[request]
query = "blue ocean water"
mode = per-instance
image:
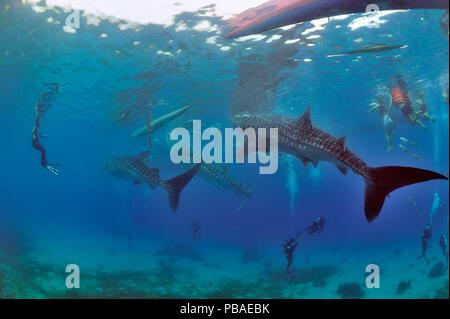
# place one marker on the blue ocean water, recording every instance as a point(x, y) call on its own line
point(124, 237)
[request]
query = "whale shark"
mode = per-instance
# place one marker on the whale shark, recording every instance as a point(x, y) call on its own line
point(135, 168)
point(371, 49)
point(278, 13)
point(218, 175)
point(159, 122)
point(301, 139)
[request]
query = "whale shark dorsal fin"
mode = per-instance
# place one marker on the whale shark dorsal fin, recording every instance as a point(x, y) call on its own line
point(143, 156)
point(341, 140)
point(305, 120)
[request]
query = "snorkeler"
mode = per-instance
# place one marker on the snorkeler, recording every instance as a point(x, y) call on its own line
point(289, 247)
point(426, 236)
point(388, 124)
point(42, 106)
point(316, 227)
point(196, 231)
point(422, 108)
point(445, 94)
point(400, 99)
point(443, 242)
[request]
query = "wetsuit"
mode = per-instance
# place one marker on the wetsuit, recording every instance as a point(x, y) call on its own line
point(426, 236)
point(288, 249)
point(42, 106)
point(316, 227)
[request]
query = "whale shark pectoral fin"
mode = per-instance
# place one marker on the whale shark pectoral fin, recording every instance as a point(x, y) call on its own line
point(342, 169)
point(144, 156)
point(304, 121)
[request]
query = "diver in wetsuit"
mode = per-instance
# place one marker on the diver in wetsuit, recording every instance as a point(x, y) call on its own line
point(317, 226)
point(426, 236)
point(196, 230)
point(443, 242)
point(42, 106)
point(400, 99)
point(289, 247)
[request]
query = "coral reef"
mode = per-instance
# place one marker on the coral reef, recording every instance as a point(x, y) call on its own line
point(442, 293)
point(403, 286)
point(438, 270)
point(351, 290)
point(181, 251)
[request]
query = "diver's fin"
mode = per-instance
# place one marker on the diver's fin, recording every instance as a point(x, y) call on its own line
point(176, 185)
point(304, 121)
point(385, 179)
point(342, 169)
point(143, 156)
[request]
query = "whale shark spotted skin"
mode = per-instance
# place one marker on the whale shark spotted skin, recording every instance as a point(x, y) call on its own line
point(218, 175)
point(300, 138)
point(134, 168)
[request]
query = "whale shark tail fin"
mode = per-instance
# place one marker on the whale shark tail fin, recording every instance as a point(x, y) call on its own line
point(176, 185)
point(386, 179)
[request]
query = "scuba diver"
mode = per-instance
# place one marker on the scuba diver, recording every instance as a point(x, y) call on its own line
point(422, 109)
point(316, 227)
point(443, 242)
point(400, 99)
point(388, 124)
point(426, 236)
point(289, 247)
point(196, 231)
point(41, 107)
